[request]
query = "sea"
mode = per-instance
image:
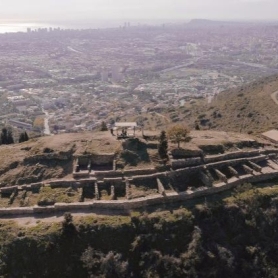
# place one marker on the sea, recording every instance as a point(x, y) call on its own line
point(14, 27)
point(22, 27)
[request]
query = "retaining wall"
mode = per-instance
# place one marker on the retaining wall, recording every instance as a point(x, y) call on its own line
point(139, 172)
point(181, 163)
point(140, 202)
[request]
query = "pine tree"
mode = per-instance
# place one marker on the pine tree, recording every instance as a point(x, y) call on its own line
point(26, 137)
point(10, 137)
point(23, 137)
point(103, 126)
point(163, 145)
point(6, 136)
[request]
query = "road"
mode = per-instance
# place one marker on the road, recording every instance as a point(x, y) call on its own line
point(74, 50)
point(46, 123)
point(181, 66)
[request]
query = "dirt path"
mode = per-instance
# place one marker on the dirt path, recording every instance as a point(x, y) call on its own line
point(33, 220)
point(162, 116)
point(274, 97)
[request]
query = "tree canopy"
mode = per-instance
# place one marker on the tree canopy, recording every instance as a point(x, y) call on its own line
point(178, 133)
point(163, 145)
point(23, 137)
point(6, 136)
point(103, 126)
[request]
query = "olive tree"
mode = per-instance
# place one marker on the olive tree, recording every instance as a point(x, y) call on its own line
point(178, 133)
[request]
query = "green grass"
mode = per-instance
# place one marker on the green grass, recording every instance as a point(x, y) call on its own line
point(48, 195)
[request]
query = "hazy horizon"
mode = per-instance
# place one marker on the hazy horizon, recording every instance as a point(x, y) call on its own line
point(128, 10)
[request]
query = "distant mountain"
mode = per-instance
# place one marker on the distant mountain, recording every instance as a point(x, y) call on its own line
point(206, 23)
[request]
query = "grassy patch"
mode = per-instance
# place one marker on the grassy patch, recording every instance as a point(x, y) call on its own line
point(50, 196)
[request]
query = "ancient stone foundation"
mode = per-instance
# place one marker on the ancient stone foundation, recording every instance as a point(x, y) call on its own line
point(195, 177)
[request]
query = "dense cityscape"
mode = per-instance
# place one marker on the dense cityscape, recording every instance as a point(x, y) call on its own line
point(54, 80)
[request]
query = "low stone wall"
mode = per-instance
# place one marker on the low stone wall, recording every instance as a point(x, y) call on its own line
point(140, 202)
point(183, 154)
point(80, 175)
point(232, 162)
point(185, 172)
point(8, 190)
point(102, 159)
point(49, 156)
point(16, 211)
point(229, 156)
point(62, 184)
point(36, 185)
point(107, 174)
point(139, 172)
point(181, 163)
point(114, 180)
point(239, 154)
point(141, 176)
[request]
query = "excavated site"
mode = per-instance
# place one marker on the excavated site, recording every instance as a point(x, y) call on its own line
point(96, 171)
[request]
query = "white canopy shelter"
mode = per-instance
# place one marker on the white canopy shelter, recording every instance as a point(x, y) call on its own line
point(127, 128)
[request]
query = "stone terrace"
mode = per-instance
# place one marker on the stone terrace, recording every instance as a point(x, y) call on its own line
point(186, 178)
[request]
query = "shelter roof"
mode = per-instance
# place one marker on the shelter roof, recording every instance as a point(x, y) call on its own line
point(125, 124)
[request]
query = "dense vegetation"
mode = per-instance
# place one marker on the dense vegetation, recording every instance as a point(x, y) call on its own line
point(233, 237)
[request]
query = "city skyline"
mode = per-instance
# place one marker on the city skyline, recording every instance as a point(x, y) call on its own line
point(96, 10)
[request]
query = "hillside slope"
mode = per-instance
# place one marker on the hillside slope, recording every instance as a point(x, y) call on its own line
point(248, 109)
point(233, 237)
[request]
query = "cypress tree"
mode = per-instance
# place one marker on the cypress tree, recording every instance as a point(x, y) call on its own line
point(10, 137)
point(23, 137)
point(163, 145)
point(103, 126)
point(26, 137)
point(4, 136)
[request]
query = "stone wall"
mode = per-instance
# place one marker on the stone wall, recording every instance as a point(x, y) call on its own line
point(139, 172)
point(181, 163)
point(179, 153)
point(238, 154)
point(140, 202)
point(102, 159)
point(146, 177)
point(49, 156)
point(80, 175)
point(232, 162)
point(107, 174)
point(229, 156)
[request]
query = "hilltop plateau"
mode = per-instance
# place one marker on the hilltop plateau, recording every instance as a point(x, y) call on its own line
point(52, 157)
point(49, 157)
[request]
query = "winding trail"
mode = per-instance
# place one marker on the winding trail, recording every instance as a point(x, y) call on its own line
point(163, 116)
point(33, 220)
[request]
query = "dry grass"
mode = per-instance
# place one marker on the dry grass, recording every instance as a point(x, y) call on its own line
point(248, 109)
point(14, 170)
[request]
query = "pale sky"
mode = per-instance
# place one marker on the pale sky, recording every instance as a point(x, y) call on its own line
point(138, 9)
